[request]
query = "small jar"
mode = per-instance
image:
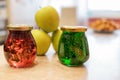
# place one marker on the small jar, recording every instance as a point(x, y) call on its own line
point(73, 47)
point(19, 47)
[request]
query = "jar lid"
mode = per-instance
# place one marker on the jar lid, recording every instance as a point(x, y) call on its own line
point(20, 27)
point(74, 28)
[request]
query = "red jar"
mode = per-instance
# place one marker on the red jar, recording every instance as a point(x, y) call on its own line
point(19, 47)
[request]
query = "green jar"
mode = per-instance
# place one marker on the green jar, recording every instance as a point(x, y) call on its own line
point(73, 47)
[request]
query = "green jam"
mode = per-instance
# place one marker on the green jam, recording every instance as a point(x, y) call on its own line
point(73, 48)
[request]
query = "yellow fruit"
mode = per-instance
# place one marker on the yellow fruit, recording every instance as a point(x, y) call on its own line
point(47, 18)
point(42, 40)
point(55, 39)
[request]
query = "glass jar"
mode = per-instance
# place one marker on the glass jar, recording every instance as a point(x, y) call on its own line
point(73, 47)
point(19, 47)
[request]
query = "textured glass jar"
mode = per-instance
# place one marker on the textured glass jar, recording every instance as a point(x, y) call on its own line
point(19, 47)
point(73, 47)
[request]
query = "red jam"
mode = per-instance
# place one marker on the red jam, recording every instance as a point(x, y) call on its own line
point(20, 48)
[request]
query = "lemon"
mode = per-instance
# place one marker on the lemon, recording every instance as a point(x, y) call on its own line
point(47, 18)
point(55, 38)
point(42, 40)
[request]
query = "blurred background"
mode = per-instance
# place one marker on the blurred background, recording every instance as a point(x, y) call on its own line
point(102, 16)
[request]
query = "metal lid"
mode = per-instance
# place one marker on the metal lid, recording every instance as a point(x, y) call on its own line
point(74, 28)
point(20, 27)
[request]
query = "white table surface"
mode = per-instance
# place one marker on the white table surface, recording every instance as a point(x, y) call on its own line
point(103, 64)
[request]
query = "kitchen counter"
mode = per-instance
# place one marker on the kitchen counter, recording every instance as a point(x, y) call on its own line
point(103, 64)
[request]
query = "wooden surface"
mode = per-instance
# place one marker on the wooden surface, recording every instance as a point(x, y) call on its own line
point(103, 64)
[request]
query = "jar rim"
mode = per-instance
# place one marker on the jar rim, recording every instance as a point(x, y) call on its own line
point(74, 28)
point(20, 27)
